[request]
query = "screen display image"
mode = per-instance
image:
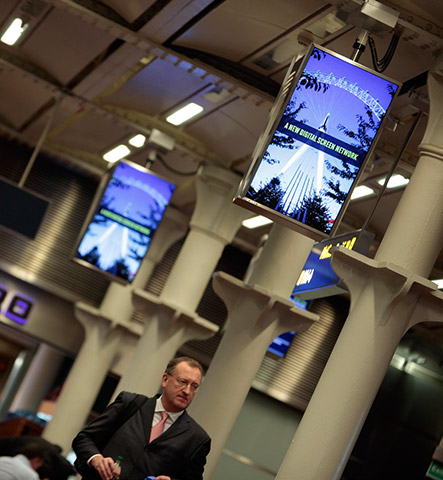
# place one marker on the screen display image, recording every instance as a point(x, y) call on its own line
point(122, 227)
point(320, 140)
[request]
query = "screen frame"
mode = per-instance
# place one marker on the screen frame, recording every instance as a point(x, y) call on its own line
point(93, 209)
point(288, 86)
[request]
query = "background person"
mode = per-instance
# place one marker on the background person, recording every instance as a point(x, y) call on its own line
point(23, 464)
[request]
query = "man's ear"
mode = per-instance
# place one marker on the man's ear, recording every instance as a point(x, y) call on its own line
point(164, 379)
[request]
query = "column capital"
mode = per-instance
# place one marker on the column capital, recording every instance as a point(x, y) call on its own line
point(271, 308)
point(390, 283)
point(91, 317)
point(174, 316)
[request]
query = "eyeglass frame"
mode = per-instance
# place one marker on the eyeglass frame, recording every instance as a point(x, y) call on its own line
point(185, 383)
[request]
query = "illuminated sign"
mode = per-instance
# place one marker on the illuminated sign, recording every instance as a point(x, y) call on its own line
point(318, 279)
point(18, 307)
point(322, 128)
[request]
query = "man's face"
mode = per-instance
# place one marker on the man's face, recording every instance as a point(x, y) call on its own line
point(180, 387)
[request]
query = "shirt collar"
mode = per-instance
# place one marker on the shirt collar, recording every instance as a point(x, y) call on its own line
point(160, 408)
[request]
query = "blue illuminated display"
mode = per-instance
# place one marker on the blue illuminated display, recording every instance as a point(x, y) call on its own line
point(317, 142)
point(122, 227)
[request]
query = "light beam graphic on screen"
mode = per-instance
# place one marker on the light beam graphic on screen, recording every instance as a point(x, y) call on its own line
point(299, 186)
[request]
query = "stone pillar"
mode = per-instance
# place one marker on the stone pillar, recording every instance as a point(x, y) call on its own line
point(102, 340)
point(117, 302)
point(386, 300)
point(171, 320)
point(102, 337)
point(38, 379)
point(15, 377)
point(259, 311)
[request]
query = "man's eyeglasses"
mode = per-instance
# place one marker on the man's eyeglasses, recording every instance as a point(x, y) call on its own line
point(185, 383)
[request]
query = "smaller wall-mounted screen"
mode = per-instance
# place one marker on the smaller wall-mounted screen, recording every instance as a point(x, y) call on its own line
point(280, 345)
point(324, 123)
point(21, 211)
point(123, 221)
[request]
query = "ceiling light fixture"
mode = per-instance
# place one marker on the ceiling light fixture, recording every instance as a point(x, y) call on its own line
point(184, 113)
point(14, 31)
point(137, 140)
point(116, 153)
point(256, 222)
point(395, 181)
point(361, 191)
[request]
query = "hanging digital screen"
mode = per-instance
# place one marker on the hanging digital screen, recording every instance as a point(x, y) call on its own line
point(123, 220)
point(322, 128)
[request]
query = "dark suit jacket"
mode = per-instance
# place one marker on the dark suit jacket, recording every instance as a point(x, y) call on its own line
point(180, 452)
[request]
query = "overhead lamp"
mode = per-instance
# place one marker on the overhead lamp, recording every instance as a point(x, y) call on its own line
point(395, 181)
point(439, 283)
point(361, 191)
point(14, 31)
point(184, 113)
point(116, 153)
point(256, 222)
point(137, 140)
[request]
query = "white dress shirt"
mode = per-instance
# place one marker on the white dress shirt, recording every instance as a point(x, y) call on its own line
point(172, 416)
point(17, 468)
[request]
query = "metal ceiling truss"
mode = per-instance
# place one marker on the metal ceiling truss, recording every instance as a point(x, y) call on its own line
point(141, 41)
point(144, 123)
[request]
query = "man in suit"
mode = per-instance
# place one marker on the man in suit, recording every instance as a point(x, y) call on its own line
point(127, 425)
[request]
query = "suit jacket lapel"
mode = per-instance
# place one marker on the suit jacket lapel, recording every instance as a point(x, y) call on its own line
point(147, 412)
point(180, 426)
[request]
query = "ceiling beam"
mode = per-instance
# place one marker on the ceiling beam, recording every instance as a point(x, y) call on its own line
point(141, 41)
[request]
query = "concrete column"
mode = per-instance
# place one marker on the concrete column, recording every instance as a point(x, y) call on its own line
point(38, 379)
point(214, 223)
point(171, 320)
point(102, 337)
point(386, 300)
point(15, 378)
point(117, 302)
point(258, 312)
point(167, 328)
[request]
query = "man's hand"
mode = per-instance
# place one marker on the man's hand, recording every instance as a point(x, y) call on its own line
point(162, 477)
point(105, 467)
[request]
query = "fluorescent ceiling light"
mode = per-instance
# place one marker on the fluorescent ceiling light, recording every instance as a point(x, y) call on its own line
point(137, 141)
point(395, 181)
point(185, 113)
point(116, 153)
point(256, 222)
point(14, 31)
point(361, 191)
point(439, 283)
